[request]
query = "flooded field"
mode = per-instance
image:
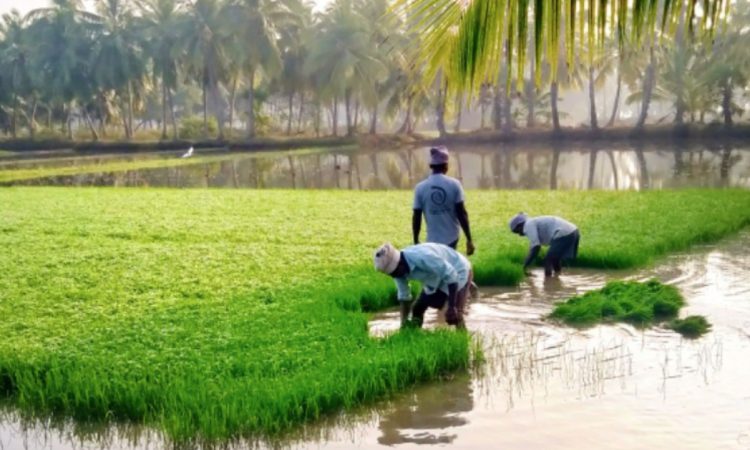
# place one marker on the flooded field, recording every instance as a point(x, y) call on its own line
point(543, 386)
point(618, 167)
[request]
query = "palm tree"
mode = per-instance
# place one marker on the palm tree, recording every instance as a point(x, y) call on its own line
point(160, 23)
point(118, 59)
point(259, 22)
point(481, 32)
point(15, 59)
point(207, 41)
point(345, 59)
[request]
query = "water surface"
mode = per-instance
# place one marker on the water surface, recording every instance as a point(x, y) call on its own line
point(613, 167)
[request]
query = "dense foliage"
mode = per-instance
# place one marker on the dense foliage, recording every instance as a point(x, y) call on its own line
point(276, 66)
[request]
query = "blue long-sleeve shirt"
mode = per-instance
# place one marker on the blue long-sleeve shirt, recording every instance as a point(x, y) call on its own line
point(435, 266)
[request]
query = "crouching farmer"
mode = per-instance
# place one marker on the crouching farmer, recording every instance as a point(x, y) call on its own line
point(445, 276)
point(561, 236)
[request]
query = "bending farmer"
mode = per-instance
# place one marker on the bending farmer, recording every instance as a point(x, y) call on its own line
point(561, 236)
point(444, 273)
point(440, 199)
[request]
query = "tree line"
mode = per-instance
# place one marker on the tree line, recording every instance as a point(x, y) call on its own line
point(240, 68)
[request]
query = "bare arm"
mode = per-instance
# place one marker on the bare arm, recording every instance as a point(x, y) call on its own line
point(463, 219)
point(416, 224)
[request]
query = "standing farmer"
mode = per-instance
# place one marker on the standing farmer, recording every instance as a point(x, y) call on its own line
point(440, 199)
point(445, 276)
point(561, 236)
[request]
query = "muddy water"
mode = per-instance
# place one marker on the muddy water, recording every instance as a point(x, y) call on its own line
point(547, 387)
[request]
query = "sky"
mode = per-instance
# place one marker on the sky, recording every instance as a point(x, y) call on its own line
point(25, 6)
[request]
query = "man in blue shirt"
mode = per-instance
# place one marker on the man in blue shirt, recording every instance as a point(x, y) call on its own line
point(440, 199)
point(445, 276)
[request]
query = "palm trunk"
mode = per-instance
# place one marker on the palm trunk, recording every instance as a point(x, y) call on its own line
point(374, 120)
point(508, 114)
point(592, 101)
point(251, 105)
point(348, 108)
point(164, 102)
point(291, 114)
point(617, 101)
point(14, 125)
point(335, 116)
point(726, 104)
point(615, 175)
point(32, 118)
point(407, 120)
point(90, 123)
point(497, 109)
point(130, 111)
point(442, 94)
point(232, 101)
point(205, 110)
point(356, 115)
point(301, 110)
point(219, 110)
point(531, 105)
point(648, 88)
point(68, 125)
point(175, 130)
point(553, 103)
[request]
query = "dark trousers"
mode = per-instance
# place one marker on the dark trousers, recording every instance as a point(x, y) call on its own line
point(560, 249)
point(438, 299)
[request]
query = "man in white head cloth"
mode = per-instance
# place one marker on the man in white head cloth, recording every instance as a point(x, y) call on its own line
point(445, 276)
point(441, 199)
point(561, 236)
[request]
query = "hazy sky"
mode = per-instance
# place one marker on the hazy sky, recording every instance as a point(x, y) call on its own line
point(25, 6)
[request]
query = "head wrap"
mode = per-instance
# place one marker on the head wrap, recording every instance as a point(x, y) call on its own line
point(438, 156)
point(387, 258)
point(517, 220)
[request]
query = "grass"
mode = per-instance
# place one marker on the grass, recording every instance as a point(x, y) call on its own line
point(51, 168)
point(618, 230)
point(691, 327)
point(218, 313)
point(639, 304)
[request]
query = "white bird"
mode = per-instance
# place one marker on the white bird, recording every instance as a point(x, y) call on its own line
point(189, 153)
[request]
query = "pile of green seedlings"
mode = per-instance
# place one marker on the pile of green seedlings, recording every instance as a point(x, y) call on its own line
point(639, 304)
point(219, 313)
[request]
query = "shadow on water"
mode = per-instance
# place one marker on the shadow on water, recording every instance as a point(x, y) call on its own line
point(543, 385)
point(595, 166)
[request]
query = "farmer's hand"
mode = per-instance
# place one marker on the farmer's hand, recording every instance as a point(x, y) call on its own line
point(451, 316)
point(470, 248)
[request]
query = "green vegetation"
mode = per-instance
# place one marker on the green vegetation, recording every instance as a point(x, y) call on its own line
point(225, 312)
point(618, 230)
point(346, 65)
point(691, 327)
point(5, 153)
point(639, 304)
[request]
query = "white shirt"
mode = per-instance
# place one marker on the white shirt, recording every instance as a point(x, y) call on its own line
point(543, 229)
point(434, 266)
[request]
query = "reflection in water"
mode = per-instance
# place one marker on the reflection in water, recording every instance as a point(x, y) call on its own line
point(478, 167)
point(428, 415)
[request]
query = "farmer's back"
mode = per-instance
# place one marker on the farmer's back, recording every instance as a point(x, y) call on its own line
point(437, 197)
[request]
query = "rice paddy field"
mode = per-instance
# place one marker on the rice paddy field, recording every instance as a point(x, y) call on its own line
point(218, 313)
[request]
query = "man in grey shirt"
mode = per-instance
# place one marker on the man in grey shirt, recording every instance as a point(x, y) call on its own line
point(561, 236)
point(440, 199)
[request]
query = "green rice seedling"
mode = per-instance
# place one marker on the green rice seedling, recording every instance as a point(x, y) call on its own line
point(220, 313)
point(639, 304)
point(691, 327)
